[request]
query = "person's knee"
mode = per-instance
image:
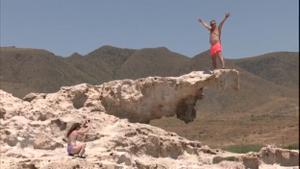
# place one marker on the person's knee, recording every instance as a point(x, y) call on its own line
point(220, 55)
point(83, 145)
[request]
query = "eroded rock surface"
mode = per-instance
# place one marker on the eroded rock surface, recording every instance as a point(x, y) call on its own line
point(138, 100)
point(32, 130)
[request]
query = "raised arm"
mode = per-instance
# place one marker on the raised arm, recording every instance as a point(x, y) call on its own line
point(204, 24)
point(223, 21)
point(85, 128)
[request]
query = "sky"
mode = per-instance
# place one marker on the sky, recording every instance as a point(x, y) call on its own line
point(63, 27)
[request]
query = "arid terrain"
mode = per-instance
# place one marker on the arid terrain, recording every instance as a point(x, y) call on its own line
point(264, 111)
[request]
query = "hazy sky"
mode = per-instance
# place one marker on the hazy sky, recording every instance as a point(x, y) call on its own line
point(66, 26)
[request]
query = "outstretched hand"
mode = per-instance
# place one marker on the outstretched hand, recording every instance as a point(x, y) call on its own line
point(199, 19)
point(227, 15)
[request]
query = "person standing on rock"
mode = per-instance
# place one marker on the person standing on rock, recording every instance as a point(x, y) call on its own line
point(215, 40)
point(75, 147)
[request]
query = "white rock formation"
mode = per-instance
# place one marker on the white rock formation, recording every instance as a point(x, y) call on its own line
point(32, 130)
point(150, 98)
point(138, 100)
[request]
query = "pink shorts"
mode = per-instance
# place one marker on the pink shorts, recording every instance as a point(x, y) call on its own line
point(214, 49)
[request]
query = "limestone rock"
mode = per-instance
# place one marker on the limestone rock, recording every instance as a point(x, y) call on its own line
point(33, 130)
point(145, 99)
point(273, 155)
point(42, 141)
point(138, 100)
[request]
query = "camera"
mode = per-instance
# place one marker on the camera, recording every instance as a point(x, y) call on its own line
point(85, 123)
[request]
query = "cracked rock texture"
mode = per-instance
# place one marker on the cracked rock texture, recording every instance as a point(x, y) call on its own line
point(32, 130)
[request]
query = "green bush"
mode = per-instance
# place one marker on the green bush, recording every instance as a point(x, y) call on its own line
point(294, 146)
point(243, 148)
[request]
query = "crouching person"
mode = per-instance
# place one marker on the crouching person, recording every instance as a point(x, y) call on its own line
point(76, 147)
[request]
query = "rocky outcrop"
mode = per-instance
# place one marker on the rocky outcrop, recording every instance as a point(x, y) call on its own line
point(149, 98)
point(271, 155)
point(143, 99)
point(32, 131)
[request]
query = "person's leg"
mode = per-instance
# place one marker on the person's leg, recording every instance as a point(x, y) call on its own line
point(214, 62)
point(75, 149)
point(82, 149)
point(221, 58)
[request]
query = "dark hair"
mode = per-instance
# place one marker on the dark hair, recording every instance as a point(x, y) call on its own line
point(75, 126)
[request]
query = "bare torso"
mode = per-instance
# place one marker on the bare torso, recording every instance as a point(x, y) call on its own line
point(72, 138)
point(214, 36)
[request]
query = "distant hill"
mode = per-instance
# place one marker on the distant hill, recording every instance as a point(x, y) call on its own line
point(279, 67)
point(42, 71)
point(34, 70)
point(255, 90)
point(152, 62)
